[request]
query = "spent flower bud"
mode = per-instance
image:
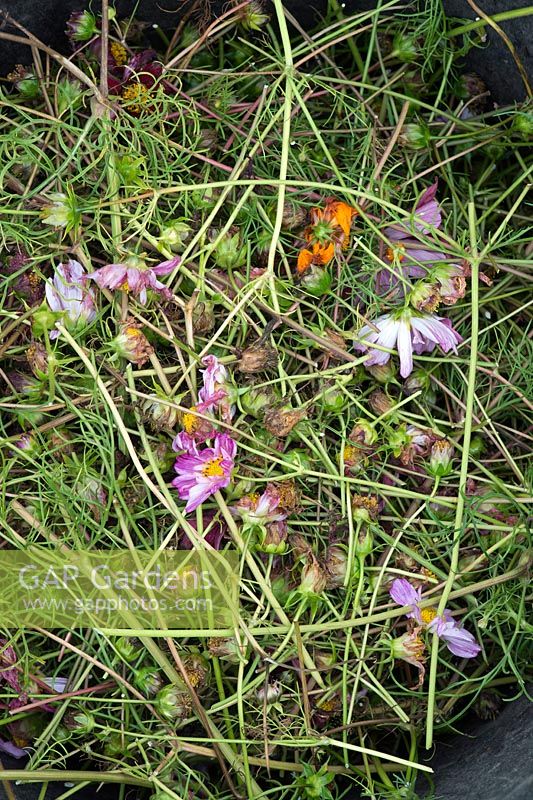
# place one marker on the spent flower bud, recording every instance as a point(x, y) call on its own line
point(440, 460)
point(259, 357)
point(229, 251)
point(174, 235)
point(81, 26)
point(173, 702)
point(148, 681)
point(131, 343)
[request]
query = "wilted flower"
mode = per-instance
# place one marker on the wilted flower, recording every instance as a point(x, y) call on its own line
point(68, 293)
point(314, 578)
point(409, 332)
point(273, 537)
point(336, 564)
point(81, 26)
point(425, 296)
point(25, 82)
point(252, 17)
point(411, 648)
point(441, 458)
point(293, 216)
point(62, 212)
point(287, 495)
point(269, 693)
point(78, 721)
point(330, 227)
point(417, 443)
point(135, 276)
point(8, 669)
point(258, 510)
point(131, 343)
point(28, 284)
point(365, 507)
point(26, 443)
point(196, 429)
point(161, 413)
point(203, 317)
point(458, 641)
point(259, 357)
point(379, 402)
point(363, 433)
point(214, 393)
point(202, 473)
point(37, 358)
point(174, 702)
point(226, 649)
point(280, 421)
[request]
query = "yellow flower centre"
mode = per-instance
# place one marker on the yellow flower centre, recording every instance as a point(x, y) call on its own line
point(427, 615)
point(133, 332)
point(135, 92)
point(213, 469)
point(119, 53)
point(190, 421)
point(125, 286)
point(349, 452)
point(395, 253)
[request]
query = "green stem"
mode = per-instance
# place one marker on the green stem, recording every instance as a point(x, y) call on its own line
point(514, 13)
point(461, 492)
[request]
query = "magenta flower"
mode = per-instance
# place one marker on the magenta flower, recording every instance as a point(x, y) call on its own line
point(135, 276)
point(68, 293)
point(408, 331)
point(214, 393)
point(458, 641)
point(201, 473)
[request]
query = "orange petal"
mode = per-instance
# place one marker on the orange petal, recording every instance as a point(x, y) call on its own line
point(305, 259)
point(323, 253)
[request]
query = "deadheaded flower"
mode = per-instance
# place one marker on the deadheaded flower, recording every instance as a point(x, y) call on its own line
point(440, 460)
point(69, 295)
point(280, 421)
point(409, 332)
point(201, 473)
point(458, 641)
point(259, 357)
point(135, 276)
point(329, 228)
point(62, 211)
point(314, 579)
point(131, 343)
point(81, 26)
point(411, 648)
point(258, 510)
point(161, 413)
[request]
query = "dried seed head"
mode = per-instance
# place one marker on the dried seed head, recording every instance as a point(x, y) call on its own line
point(37, 359)
point(287, 495)
point(132, 344)
point(280, 421)
point(293, 216)
point(380, 402)
point(259, 357)
point(365, 508)
point(203, 317)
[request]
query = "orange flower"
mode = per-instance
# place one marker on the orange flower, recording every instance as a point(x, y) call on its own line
point(336, 214)
point(320, 255)
point(330, 226)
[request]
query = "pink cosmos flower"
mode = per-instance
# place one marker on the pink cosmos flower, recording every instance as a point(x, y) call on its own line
point(458, 641)
point(201, 473)
point(68, 293)
point(411, 254)
point(135, 276)
point(409, 331)
point(214, 393)
point(259, 510)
